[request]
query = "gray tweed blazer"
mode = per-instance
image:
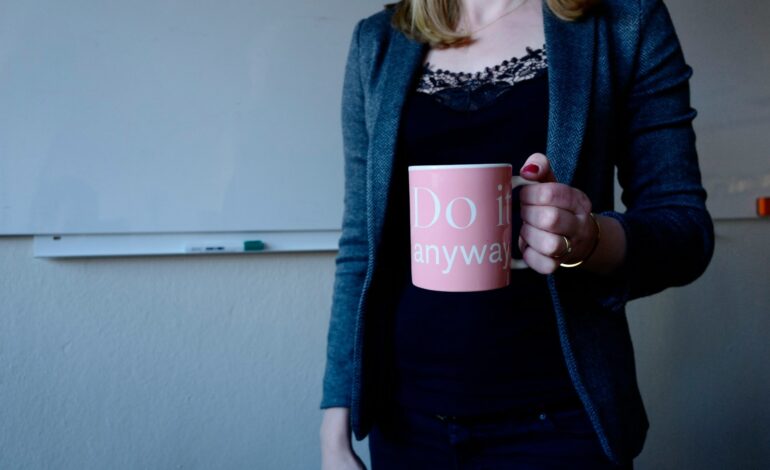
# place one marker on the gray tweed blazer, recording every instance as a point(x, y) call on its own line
point(619, 99)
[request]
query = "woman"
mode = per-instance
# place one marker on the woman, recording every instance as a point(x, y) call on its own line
point(539, 374)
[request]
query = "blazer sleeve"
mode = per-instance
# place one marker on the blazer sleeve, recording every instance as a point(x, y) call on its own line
point(669, 232)
point(352, 258)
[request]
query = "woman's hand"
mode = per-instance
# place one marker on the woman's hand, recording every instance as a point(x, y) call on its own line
point(336, 449)
point(551, 211)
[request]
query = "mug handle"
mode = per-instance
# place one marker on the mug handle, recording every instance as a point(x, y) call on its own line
point(517, 181)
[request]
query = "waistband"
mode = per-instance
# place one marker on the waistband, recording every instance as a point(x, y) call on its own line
point(535, 410)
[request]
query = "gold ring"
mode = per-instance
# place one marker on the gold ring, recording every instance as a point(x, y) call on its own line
point(566, 251)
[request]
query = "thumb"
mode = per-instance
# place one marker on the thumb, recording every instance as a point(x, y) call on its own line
point(537, 168)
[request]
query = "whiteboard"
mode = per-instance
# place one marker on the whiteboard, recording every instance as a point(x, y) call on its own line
point(172, 116)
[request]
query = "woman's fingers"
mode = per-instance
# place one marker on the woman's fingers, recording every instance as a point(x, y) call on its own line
point(539, 247)
point(557, 195)
point(550, 192)
point(538, 262)
point(546, 243)
point(549, 218)
point(537, 168)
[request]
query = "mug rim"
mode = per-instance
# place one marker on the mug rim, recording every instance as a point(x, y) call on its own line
point(458, 166)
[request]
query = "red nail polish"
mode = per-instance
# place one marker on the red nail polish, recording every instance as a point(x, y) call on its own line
point(531, 168)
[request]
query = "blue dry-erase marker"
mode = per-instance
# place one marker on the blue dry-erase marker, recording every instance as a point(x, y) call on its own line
point(249, 245)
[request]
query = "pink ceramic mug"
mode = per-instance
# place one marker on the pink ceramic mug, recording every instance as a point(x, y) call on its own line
point(460, 226)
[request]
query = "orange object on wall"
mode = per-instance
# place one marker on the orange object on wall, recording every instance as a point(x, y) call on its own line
point(763, 206)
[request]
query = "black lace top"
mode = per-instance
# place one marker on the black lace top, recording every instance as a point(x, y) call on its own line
point(471, 352)
point(471, 91)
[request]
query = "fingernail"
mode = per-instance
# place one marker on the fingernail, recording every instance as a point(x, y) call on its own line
point(531, 168)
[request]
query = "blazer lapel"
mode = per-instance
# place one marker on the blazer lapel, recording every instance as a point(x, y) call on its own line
point(570, 49)
point(403, 59)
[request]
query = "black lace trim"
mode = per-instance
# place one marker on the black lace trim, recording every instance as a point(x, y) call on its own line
point(509, 71)
point(471, 91)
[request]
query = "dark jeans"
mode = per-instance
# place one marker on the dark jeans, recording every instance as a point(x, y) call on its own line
point(543, 439)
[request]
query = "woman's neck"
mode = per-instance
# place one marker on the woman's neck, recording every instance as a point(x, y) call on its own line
point(503, 39)
point(478, 13)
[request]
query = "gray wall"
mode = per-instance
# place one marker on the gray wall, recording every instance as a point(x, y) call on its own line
point(703, 359)
point(160, 363)
point(216, 362)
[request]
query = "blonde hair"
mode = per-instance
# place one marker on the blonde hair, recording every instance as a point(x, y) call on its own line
point(434, 21)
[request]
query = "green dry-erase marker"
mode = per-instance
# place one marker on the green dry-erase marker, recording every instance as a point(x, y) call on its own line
point(249, 245)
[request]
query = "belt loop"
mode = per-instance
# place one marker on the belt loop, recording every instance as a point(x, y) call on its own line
point(446, 418)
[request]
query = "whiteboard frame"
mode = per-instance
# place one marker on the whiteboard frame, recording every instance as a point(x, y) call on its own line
point(158, 244)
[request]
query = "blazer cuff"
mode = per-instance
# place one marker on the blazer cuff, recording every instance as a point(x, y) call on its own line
point(334, 403)
point(336, 389)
